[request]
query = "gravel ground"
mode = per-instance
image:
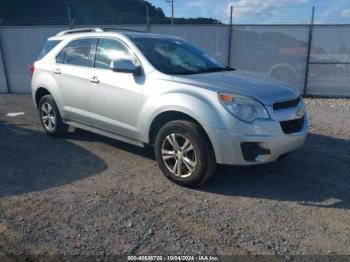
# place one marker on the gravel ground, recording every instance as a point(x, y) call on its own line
point(86, 194)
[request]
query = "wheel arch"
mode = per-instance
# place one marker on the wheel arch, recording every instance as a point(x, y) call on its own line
point(39, 93)
point(169, 115)
point(275, 67)
point(166, 116)
point(281, 65)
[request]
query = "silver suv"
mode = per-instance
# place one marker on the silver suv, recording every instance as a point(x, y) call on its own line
point(144, 88)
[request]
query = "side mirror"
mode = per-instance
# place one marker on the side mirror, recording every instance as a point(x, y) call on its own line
point(125, 66)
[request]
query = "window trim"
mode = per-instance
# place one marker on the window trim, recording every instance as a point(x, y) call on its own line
point(93, 47)
point(93, 51)
point(63, 49)
point(123, 43)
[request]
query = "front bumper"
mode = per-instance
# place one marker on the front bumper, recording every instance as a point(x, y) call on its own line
point(269, 137)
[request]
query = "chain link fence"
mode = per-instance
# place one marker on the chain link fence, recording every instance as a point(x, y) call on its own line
point(280, 51)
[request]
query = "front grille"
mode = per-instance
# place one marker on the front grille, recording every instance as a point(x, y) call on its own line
point(286, 104)
point(292, 126)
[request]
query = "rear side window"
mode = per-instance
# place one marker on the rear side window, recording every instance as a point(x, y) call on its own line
point(49, 45)
point(78, 53)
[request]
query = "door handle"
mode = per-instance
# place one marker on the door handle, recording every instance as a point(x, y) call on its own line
point(94, 79)
point(57, 71)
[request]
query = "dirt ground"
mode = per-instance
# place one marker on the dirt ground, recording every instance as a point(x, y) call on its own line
point(89, 195)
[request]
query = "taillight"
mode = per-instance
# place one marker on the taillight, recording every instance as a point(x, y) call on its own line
point(31, 70)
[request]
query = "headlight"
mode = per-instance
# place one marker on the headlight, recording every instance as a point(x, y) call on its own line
point(244, 108)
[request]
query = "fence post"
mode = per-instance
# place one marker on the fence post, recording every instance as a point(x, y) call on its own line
point(70, 20)
point(148, 19)
point(309, 46)
point(230, 38)
point(7, 84)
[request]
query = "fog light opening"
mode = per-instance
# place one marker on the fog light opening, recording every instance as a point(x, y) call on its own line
point(251, 150)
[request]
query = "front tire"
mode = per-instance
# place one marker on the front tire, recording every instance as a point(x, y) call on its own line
point(50, 117)
point(184, 153)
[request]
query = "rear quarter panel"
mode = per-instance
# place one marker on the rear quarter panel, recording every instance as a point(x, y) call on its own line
point(43, 78)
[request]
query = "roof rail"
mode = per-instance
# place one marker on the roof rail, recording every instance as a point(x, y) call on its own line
point(122, 29)
point(80, 30)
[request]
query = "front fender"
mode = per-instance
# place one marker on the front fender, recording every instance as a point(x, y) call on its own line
point(204, 111)
point(199, 109)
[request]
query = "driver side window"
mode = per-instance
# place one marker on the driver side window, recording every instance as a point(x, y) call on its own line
point(108, 50)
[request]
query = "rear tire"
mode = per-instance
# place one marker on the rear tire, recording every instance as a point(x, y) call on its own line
point(184, 153)
point(50, 117)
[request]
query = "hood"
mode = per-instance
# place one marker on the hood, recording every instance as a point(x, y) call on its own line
point(263, 88)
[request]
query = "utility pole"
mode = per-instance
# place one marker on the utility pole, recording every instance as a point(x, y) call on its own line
point(171, 3)
point(309, 46)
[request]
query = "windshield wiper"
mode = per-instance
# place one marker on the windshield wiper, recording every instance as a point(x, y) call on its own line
point(208, 70)
point(214, 69)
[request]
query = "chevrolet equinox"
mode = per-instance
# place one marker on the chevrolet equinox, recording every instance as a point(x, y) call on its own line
point(144, 88)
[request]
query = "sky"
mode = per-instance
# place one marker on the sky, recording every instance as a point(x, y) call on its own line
point(261, 11)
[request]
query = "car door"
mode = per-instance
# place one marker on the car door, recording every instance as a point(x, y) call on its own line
point(71, 72)
point(114, 98)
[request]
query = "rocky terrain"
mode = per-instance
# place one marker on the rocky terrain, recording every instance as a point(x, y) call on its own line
point(89, 195)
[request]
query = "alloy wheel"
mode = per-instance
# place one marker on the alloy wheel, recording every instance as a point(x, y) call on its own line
point(179, 155)
point(48, 116)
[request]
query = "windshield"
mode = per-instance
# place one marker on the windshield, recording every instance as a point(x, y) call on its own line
point(177, 57)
